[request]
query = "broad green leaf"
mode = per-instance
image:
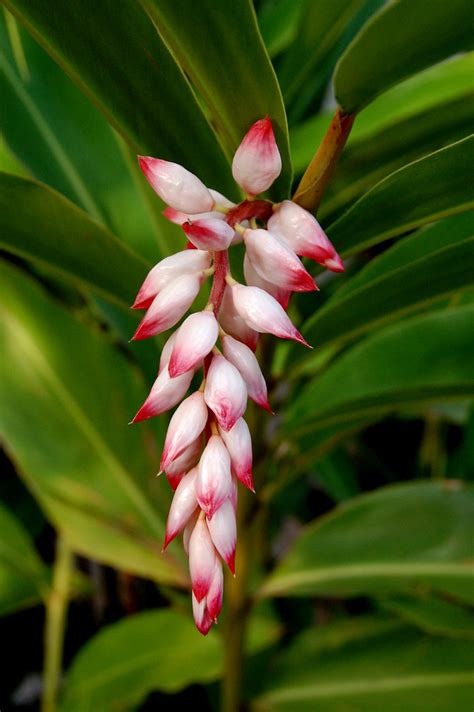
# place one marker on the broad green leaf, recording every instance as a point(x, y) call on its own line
point(87, 166)
point(367, 162)
point(126, 70)
point(325, 29)
point(421, 192)
point(66, 399)
point(423, 243)
point(230, 69)
point(423, 94)
point(41, 225)
point(278, 23)
point(154, 650)
point(422, 359)
point(400, 291)
point(399, 669)
point(403, 38)
point(433, 614)
point(24, 579)
point(397, 538)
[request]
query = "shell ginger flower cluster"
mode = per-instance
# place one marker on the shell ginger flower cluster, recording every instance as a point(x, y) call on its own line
point(208, 448)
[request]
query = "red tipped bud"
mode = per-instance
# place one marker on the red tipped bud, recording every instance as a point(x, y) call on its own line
point(257, 161)
point(194, 340)
point(176, 186)
point(225, 392)
point(214, 482)
point(223, 531)
point(239, 445)
point(187, 423)
point(209, 234)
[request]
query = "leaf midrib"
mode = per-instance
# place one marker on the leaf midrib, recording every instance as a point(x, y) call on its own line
point(79, 416)
point(399, 569)
point(371, 686)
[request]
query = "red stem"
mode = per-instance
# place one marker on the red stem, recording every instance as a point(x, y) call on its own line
point(221, 268)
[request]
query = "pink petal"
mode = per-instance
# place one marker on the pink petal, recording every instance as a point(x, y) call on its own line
point(182, 507)
point(223, 531)
point(253, 279)
point(187, 423)
point(246, 362)
point(176, 470)
point(209, 234)
point(214, 482)
point(202, 558)
point(302, 232)
point(233, 323)
point(276, 262)
point(165, 393)
point(201, 615)
point(257, 161)
point(168, 269)
point(225, 392)
point(215, 593)
point(263, 313)
point(169, 306)
point(176, 186)
point(239, 445)
point(194, 340)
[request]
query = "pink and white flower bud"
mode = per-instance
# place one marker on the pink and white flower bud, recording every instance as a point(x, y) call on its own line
point(209, 234)
point(214, 481)
point(187, 423)
point(188, 530)
point(220, 199)
point(194, 340)
point(176, 186)
point(276, 262)
point(264, 314)
point(169, 306)
point(215, 593)
point(166, 351)
point(257, 161)
point(178, 218)
point(182, 507)
point(202, 558)
point(302, 232)
point(165, 393)
point(185, 262)
point(253, 279)
point(223, 531)
point(225, 392)
point(201, 615)
point(233, 323)
point(178, 468)
point(239, 445)
point(246, 363)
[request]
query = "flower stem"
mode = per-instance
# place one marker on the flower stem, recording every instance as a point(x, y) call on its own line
point(318, 174)
point(56, 608)
point(221, 269)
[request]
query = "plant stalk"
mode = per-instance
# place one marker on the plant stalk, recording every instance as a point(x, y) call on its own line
point(56, 609)
point(319, 172)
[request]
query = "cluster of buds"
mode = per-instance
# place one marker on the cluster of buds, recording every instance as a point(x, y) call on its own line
point(208, 446)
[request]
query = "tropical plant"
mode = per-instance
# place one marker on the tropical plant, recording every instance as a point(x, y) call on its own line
point(354, 579)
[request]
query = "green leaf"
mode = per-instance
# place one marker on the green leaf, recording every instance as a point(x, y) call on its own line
point(231, 69)
point(398, 669)
point(126, 70)
point(402, 39)
point(40, 128)
point(419, 360)
point(421, 192)
point(278, 22)
point(117, 668)
point(41, 225)
point(433, 614)
point(66, 399)
point(24, 579)
point(326, 27)
point(154, 650)
point(398, 109)
point(425, 276)
point(398, 538)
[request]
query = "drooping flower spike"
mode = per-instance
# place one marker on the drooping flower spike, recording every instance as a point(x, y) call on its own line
point(208, 447)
